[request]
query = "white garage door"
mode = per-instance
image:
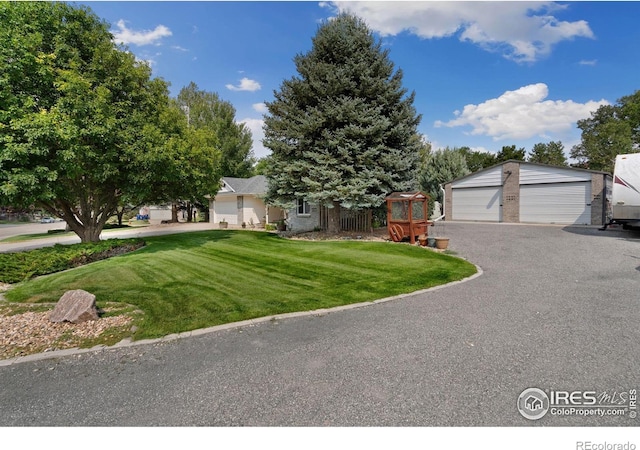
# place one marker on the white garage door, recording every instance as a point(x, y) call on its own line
point(226, 208)
point(556, 203)
point(478, 203)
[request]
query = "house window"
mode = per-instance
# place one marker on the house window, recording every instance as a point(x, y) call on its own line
point(303, 208)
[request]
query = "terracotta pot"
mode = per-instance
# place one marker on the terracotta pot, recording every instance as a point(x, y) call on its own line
point(442, 243)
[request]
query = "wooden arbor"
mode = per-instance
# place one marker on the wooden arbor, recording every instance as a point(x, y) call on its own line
point(407, 215)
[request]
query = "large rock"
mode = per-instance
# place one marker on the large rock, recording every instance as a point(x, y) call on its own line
point(75, 306)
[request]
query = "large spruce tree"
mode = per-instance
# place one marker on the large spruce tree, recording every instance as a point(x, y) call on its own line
point(343, 132)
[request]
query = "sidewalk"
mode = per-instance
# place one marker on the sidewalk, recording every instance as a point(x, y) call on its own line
point(151, 230)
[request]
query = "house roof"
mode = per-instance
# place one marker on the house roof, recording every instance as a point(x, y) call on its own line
point(244, 186)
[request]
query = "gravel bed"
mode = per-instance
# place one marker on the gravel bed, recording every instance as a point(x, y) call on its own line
point(32, 332)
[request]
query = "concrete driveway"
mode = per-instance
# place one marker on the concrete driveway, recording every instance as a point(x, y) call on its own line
point(556, 308)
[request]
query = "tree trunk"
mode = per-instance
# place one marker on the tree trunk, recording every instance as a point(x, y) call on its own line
point(174, 212)
point(333, 225)
point(189, 212)
point(120, 213)
point(87, 223)
point(90, 234)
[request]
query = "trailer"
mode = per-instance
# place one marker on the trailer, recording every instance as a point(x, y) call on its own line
point(625, 193)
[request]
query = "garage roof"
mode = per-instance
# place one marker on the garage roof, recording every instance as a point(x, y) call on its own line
point(526, 163)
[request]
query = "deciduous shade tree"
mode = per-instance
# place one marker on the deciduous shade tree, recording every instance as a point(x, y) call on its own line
point(442, 166)
point(206, 111)
point(81, 121)
point(477, 160)
point(611, 130)
point(551, 153)
point(342, 132)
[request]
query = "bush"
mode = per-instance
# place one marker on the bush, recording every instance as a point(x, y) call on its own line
point(20, 266)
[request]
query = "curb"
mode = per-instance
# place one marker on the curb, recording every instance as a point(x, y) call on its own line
point(228, 326)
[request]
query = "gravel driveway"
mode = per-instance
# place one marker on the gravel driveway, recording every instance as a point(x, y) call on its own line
point(556, 308)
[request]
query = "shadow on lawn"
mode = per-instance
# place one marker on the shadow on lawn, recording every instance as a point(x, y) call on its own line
point(191, 239)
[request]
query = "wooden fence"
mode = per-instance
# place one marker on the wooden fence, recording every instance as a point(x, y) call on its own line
point(349, 220)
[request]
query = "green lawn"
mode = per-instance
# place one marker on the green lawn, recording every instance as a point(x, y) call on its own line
point(193, 280)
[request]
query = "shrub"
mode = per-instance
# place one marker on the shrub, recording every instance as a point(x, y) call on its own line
point(20, 266)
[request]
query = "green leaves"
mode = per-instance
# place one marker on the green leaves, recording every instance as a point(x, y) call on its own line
point(343, 131)
point(78, 115)
point(551, 153)
point(206, 111)
point(611, 130)
point(440, 167)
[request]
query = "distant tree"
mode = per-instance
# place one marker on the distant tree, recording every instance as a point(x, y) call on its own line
point(477, 160)
point(79, 116)
point(187, 163)
point(442, 166)
point(343, 132)
point(551, 153)
point(425, 153)
point(205, 110)
point(262, 166)
point(510, 152)
point(611, 130)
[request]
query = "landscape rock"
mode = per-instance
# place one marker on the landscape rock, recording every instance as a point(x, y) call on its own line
point(75, 306)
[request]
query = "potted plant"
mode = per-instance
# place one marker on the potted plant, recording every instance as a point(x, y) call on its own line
point(442, 242)
point(223, 223)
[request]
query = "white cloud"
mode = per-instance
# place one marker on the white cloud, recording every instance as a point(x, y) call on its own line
point(246, 84)
point(521, 31)
point(148, 58)
point(255, 125)
point(522, 114)
point(591, 62)
point(180, 49)
point(260, 107)
point(145, 37)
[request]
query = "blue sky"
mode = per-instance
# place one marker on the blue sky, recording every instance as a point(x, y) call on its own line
point(485, 74)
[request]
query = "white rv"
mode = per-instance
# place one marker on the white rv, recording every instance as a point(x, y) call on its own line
point(625, 193)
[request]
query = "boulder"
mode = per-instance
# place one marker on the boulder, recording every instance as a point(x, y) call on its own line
point(75, 306)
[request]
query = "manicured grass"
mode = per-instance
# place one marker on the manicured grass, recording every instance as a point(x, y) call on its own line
point(193, 280)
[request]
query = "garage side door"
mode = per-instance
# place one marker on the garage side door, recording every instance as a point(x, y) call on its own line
point(556, 203)
point(478, 203)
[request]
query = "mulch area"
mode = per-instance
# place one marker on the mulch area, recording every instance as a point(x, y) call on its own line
point(379, 234)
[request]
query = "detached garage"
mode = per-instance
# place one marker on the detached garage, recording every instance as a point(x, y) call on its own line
point(522, 192)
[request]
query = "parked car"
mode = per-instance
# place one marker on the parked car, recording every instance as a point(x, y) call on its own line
point(47, 220)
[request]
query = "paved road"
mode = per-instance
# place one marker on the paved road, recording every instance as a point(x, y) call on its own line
point(556, 308)
point(142, 231)
point(15, 229)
